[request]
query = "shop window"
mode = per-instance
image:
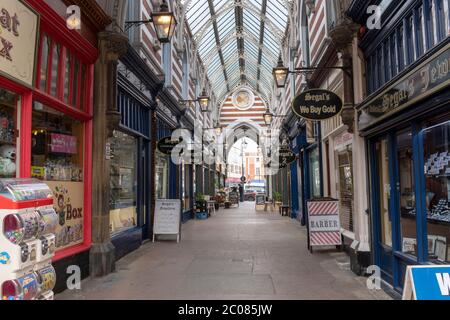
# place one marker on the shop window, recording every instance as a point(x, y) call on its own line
point(123, 182)
point(61, 74)
point(382, 157)
point(345, 175)
point(55, 66)
point(428, 16)
point(441, 30)
point(400, 49)
point(76, 70)
point(392, 50)
point(57, 157)
point(406, 192)
point(162, 175)
point(187, 188)
point(437, 175)
point(420, 45)
point(387, 61)
point(67, 68)
point(8, 138)
point(45, 47)
point(314, 173)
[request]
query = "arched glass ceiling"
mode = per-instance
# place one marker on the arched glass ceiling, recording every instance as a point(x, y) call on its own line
point(238, 40)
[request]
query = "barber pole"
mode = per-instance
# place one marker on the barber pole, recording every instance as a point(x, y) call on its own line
point(324, 223)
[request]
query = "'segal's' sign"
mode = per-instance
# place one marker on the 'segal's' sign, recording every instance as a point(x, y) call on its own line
point(317, 104)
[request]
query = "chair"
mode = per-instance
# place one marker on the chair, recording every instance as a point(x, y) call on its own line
point(211, 206)
point(284, 211)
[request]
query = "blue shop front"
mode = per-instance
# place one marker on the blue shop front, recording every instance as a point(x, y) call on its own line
point(130, 157)
point(172, 181)
point(306, 172)
point(406, 123)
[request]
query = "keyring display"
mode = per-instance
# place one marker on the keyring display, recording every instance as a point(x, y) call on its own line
point(13, 228)
point(48, 221)
point(31, 224)
point(47, 279)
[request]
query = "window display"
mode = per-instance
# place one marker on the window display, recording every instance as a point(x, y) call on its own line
point(123, 182)
point(57, 157)
point(57, 146)
point(8, 120)
point(407, 197)
point(437, 174)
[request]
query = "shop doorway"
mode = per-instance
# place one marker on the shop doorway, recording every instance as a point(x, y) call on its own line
point(395, 172)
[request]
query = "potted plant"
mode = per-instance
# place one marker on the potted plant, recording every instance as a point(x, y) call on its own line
point(277, 198)
point(201, 211)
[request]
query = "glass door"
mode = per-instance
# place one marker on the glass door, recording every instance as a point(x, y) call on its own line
point(382, 218)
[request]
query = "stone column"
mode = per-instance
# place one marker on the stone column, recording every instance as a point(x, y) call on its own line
point(344, 38)
point(112, 46)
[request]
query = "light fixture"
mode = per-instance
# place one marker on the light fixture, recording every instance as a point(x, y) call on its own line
point(73, 22)
point(218, 129)
point(268, 117)
point(203, 99)
point(280, 73)
point(163, 21)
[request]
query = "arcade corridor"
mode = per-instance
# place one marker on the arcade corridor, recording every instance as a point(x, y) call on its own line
point(125, 120)
point(236, 254)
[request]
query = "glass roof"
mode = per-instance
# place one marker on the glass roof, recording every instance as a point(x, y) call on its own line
point(238, 40)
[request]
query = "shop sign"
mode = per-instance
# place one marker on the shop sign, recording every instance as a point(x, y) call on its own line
point(69, 205)
point(18, 40)
point(317, 104)
point(427, 283)
point(166, 145)
point(61, 143)
point(286, 157)
point(324, 223)
point(167, 218)
point(430, 77)
point(260, 199)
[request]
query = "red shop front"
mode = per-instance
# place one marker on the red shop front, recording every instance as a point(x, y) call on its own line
point(46, 101)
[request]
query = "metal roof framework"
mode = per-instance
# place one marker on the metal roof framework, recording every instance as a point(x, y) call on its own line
point(239, 41)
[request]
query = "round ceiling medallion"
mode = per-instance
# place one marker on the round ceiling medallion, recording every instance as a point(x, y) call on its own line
point(243, 99)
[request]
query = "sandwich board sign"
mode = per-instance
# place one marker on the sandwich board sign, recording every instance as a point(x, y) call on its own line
point(431, 282)
point(324, 227)
point(260, 199)
point(167, 218)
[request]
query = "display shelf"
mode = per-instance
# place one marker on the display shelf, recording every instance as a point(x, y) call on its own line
point(430, 220)
point(13, 143)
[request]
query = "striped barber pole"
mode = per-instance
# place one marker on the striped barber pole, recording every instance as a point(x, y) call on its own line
point(324, 223)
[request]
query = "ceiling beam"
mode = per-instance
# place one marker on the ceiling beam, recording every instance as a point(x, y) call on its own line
point(216, 34)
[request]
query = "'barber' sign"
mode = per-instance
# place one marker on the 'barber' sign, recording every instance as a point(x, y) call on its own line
point(324, 223)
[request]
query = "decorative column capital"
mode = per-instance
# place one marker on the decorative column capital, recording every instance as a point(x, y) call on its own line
point(112, 45)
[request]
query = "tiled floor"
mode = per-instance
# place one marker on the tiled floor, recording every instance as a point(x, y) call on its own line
point(236, 254)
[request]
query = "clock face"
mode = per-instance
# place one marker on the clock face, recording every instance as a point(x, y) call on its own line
point(243, 99)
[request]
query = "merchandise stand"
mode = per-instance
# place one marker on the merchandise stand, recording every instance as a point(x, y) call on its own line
point(27, 240)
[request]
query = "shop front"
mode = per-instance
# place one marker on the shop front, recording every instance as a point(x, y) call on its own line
point(165, 169)
point(46, 98)
point(407, 128)
point(130, 161)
